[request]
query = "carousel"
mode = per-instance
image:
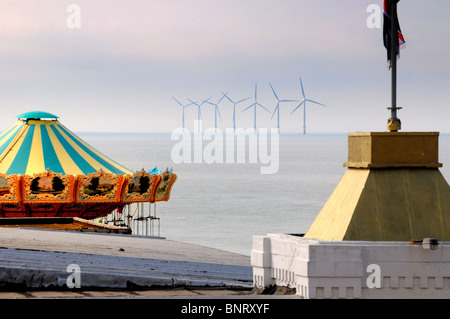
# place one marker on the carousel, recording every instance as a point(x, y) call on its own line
point(48, 171)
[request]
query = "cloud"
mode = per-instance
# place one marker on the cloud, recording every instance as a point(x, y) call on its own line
point(130, 57)
point(180, 30)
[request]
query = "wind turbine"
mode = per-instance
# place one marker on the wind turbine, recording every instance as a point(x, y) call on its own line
point(255, 104)
point(183, 106)
point(216, 110)
point(304, 107)
point(199, 112)
point(277, 108)
point(234, 108)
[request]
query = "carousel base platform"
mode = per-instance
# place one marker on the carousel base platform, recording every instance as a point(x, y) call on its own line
point(62, 223)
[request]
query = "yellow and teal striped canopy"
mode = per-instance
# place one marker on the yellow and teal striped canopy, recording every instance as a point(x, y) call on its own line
point(33, 145)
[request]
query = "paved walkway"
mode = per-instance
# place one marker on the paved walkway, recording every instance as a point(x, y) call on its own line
point(32, 258)
point(116, 245)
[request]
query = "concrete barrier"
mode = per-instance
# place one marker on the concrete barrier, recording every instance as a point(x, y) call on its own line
point(351, 269)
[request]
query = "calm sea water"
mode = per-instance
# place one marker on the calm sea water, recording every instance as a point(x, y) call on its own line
point(224, 205)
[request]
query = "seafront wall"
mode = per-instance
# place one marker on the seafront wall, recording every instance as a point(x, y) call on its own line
point(351, 269)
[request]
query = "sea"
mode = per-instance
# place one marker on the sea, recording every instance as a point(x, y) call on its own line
point(223, 205)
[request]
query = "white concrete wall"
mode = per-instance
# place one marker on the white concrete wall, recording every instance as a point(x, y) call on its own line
point(321, 269)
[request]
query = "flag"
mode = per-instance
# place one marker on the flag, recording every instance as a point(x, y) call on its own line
point(387, 33)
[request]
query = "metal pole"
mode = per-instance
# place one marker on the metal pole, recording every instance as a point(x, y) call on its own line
point(394, 123)
point(394, 44)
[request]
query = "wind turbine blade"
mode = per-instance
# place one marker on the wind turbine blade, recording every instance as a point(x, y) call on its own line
point(248, 107)
point(192, 102)
point(303, 91)
point(243, 100)
point(205, 101)
point(276, 96)
point(178, 101)
point(289, 101)
point(316, 102)
point(263, 107)
point(297, 107)
point(274, 111)
point(226, 95)
point(221, 99)
point(256, 89)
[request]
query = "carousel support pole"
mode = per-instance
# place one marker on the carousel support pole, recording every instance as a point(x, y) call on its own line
point(150, 218)
point(145, 224)
point(142, 210)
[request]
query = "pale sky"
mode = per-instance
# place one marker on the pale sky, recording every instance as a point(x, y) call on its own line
point(119, 70)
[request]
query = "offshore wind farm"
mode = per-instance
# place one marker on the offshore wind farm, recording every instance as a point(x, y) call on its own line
point(254, 105)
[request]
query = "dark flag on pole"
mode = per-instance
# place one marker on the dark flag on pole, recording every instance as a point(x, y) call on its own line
point(393, 41)
point(389, 18)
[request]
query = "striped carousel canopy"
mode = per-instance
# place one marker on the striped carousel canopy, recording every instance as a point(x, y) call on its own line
point(38, 141)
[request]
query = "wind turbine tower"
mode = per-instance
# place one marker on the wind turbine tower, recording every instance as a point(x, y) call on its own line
point(304, 106)
point(199, 112)
point(216, 109)
point(256, 104)
point(234, 108)
point(277, 108)
point(183, 106)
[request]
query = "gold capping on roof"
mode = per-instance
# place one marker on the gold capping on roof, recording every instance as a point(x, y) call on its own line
point(392, 191)
point(385, 149)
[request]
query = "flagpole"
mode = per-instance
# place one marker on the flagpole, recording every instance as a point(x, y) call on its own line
point(394, 45)
point(394, 124)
